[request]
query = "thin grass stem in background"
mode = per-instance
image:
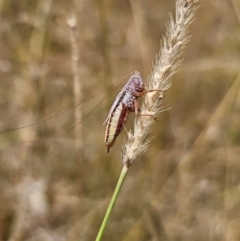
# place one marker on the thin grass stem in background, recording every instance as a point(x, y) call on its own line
point(236, 5)
point(77, 87)
point(166, 65)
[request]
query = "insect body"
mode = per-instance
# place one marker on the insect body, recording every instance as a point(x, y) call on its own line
point(124, 103)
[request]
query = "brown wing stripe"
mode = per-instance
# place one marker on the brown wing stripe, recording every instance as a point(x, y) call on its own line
point(115, 122)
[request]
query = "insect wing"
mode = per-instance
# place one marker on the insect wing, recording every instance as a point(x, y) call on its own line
point(114, 104)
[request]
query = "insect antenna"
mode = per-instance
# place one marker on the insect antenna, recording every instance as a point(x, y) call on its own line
point(67, 110)
point(91, 110)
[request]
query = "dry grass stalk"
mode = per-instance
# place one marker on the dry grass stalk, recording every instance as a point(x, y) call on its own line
point(77, 88)
point(166, 65)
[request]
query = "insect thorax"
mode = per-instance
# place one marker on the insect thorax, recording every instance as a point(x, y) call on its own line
point(135, 84)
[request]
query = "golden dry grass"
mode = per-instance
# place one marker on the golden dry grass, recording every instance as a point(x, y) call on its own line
point(186, 187)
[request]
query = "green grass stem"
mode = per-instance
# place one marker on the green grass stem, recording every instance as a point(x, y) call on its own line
point(112, 202)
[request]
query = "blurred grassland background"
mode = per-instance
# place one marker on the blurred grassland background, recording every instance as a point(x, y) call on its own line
point(185, 187)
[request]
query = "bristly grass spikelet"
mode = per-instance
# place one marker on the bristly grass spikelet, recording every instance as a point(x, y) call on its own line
point(166, 65)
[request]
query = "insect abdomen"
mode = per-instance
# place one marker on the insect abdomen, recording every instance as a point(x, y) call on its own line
point(116, 121)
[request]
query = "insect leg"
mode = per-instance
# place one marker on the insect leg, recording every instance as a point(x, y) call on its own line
point(137, 110)
point(139, 94)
